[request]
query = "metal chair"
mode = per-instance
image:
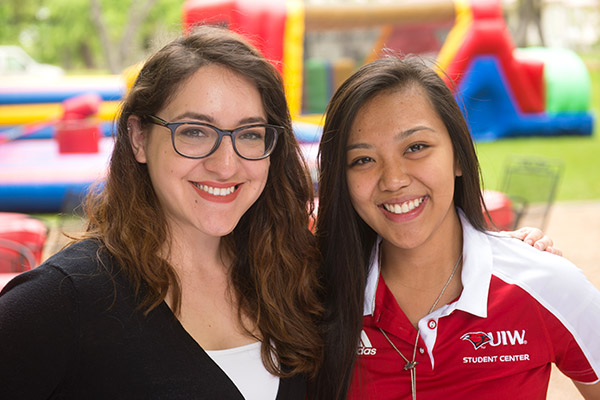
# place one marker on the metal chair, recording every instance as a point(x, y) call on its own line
point(15, 257)
point(531, 183)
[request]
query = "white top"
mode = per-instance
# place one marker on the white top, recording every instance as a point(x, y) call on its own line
point(243, 365)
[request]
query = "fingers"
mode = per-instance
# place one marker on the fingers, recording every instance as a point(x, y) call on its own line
point(541, 244)
point(531, 236)
point(536, 238)
point(554, 250)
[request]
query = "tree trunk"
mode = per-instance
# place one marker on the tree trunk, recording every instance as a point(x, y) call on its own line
point(529, 11)
point(118, 57)
point(96, 14)
point(137, 14)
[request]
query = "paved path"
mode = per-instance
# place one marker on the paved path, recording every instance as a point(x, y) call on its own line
point(575, 229)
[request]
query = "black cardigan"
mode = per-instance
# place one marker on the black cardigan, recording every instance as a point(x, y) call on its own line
point(69, 329)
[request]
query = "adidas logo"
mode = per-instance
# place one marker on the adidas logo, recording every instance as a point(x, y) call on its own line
point(365, 348)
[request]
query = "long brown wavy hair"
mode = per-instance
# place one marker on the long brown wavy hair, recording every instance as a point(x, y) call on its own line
point(344, 238)
point(274, 272)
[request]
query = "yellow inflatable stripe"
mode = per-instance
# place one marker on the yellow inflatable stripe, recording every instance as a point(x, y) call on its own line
point(293, 54)
point(456, 36)
point(316, 119)
point(44, 112)
point(108, 110)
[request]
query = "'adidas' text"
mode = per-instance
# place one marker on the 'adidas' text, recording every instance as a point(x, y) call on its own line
point(365, 348)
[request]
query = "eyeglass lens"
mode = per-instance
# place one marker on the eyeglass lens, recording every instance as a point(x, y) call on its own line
point(199, 140)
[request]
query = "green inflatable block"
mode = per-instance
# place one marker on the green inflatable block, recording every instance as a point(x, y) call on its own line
point(567, 79)
point(316, 85)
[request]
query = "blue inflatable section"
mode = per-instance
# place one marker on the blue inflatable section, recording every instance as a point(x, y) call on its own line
point(485, 93)
point(47, 132)
point(39, 198)
point(306, 132)
point(24, 97)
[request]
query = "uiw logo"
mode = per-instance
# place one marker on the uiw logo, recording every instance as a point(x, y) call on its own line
point(504, 338)
point(365, 347)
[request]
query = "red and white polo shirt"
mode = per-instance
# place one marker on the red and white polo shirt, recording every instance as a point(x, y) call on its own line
point(520, 311)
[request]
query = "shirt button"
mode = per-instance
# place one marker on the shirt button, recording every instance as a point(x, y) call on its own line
point(421, 350)
point(432, 324)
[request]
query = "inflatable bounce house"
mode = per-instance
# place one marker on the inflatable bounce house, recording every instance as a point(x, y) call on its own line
point(55, 153)
point(54, 134)
point(504, 91)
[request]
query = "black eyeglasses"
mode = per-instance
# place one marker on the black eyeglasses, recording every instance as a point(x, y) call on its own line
point(199, 140)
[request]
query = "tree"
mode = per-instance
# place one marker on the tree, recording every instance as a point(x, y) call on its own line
point(529, 12)
point(88, 34)
point(117, 55)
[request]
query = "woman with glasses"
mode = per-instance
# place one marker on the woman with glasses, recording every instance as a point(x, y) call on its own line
point(196, 278)
point(423, 302)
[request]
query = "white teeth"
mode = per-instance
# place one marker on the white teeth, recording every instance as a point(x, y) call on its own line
point(216, 191)
point(404, 207)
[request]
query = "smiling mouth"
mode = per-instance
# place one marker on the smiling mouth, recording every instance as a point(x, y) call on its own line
point(405, 207)
point(216, 191)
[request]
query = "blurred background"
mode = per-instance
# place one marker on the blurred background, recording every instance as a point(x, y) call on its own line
point(530, 89)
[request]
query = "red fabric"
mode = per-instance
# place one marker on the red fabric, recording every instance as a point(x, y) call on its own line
point(261, 22)
point(525, 79)
point(20, 230)
point(489, 35)
point(525, 339)
point(500, 210)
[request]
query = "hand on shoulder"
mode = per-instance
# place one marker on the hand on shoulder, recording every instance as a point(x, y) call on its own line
point(536, 238)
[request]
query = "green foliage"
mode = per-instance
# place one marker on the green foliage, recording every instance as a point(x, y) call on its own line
point(62, 32)
point(14, 16)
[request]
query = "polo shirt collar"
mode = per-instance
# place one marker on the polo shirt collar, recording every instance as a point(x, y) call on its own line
point(476, 270)
point(476, 273)
point(372, 279)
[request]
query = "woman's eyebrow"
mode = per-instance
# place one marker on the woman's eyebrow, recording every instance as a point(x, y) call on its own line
point(209, 119)
point(399, 136)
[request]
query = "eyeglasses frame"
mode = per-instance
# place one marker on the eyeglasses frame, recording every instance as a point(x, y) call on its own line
point(172, 126)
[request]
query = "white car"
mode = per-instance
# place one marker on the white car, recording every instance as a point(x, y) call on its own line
point(15, 61)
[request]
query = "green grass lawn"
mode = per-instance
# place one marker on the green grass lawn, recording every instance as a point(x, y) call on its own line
point(580, 154)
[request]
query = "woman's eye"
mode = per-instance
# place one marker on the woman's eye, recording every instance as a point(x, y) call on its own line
point(361, 161)
point(415, 147)
point(193, 132)
point(252, 134)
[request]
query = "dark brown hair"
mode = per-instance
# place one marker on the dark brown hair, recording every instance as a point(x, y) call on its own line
point(344, 238)
point(275, 254)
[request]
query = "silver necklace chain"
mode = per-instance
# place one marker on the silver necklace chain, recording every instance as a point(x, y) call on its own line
point(410, 365)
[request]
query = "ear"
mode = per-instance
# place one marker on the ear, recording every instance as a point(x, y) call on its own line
point(138, 138)
point(457, 169)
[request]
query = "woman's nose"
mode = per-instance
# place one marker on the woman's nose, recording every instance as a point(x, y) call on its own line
point(224, 160)
point(394, 176)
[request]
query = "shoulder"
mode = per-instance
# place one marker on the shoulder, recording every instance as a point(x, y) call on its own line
point(546, 277)
point(79, 257)
point(552, 281)
point(519, 262)
point(78, 268)
point(84, 263)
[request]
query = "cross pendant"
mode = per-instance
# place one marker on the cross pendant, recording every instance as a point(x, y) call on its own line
point(410, 365)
